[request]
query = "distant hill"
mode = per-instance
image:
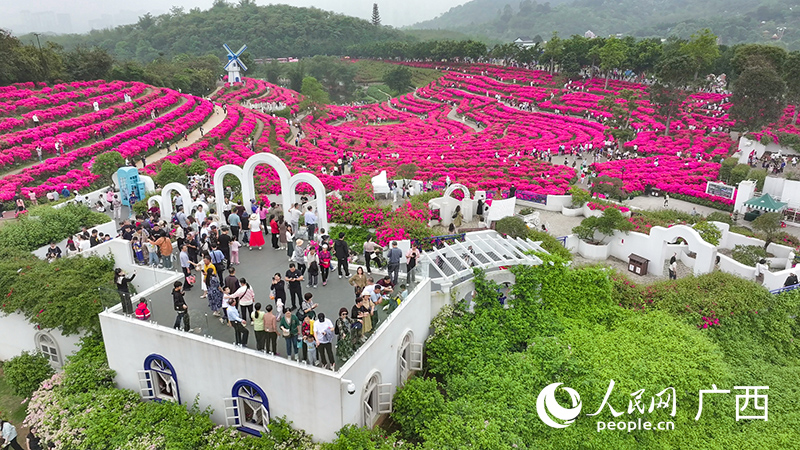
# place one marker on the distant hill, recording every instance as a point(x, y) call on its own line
point(268, 31)
point(734, 21)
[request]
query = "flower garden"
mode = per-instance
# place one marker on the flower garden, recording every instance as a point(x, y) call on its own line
point(485, 126)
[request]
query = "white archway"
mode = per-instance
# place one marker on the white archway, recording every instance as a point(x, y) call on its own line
point(319, 193)
point(246, 175)
point(456, 187)
point(164, 199)
point(706, 252)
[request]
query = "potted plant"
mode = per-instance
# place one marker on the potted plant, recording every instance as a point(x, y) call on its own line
point(604, 226)
point(579, 198)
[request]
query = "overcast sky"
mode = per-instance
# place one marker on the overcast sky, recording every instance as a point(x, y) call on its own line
point(83, 15)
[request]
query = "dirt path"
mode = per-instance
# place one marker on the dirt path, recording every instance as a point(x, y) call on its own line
point(215, 119)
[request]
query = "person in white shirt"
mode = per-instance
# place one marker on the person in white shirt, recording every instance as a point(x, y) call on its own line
point(323, 333)
point(200, 215)
point(294, 216)
point(9, 436)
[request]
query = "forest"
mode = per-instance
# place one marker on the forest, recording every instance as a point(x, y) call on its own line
point(734, 21)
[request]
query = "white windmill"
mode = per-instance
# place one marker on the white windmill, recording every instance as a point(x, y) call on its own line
point(235, 65)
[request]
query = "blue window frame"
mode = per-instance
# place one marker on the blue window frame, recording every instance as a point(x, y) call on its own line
point(248, 408)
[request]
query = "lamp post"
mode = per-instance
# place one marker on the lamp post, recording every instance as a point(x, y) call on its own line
point(41, 57)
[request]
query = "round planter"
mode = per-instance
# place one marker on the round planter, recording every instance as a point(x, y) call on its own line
point(571, 212)
point(594, 251)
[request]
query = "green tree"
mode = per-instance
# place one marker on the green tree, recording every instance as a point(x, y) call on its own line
point(758, 97)
point(703, 49)
point(106, 165)
point(756, 54)
point(171, 173)
point(24, 373)
point(791, 76)
point(770, 225)
point(376, 16)
point(197, 167)
point(273, 71)
point(398, 79)
point(553, 51)
point(296, 75)
point(612, 55)
point(88, 64)
point(315, 98)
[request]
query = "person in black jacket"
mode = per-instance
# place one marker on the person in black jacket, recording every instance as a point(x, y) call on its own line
point(122, 287)
point(181, 308)
point(342, 252)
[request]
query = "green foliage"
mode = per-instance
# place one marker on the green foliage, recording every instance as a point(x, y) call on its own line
point(407, 171)
point(354, 236)
point(352, 437)
point(549, 243)
point(758, 97)
point(525, 211)
point(106, 164)
point(44, 224)
point(759, 176)
point(738, 174)
point(579, 196)
point(610, 187)
point(88, 367)
point(612, 220)
point(748, 255)
point(197, 167)
point(726, 167)
point(718, 216)
point(512, 226)
point(335, 75)
point(55, 295)
point(398, 79)
point(171, 173)
point(770, 225)
point(315, 98)
point(416, 405)
point(709, 232)
point(26, 372)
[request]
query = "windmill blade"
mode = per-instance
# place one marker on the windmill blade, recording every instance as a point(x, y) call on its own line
point(241, 50)
point(241, 64)
point(230, 52)
point(230, 61)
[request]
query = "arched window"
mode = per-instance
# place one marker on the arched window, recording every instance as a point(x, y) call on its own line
point(48, 346)
point(410, 358)
point(376, 400)
point(158, 380)
point(248, 408)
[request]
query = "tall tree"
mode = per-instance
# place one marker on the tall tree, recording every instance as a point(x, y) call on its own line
point(612, 55)
point(376, 17)
point(399, 79)
point(758, 97)
point(315, 98)
point(791, 76)
point(553, 50)
point(703, 49)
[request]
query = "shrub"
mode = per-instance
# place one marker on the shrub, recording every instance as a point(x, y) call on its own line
point(26, 372)
point(352, 437)
point(416, 405)
point(579, 196)
point(719, 216)
point(171, 173)
point(45, 223)
point(511, 226)
point(525, 211)
point(549, 243)
point(106, 164)
point(354, 236)
point(739, 174)
point(759, 175)
point(197, 167)
point(726, 167)
point(709, 232)
point(748, 255)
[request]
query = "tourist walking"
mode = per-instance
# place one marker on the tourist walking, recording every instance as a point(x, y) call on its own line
point(394, 256)
point(342, 252)
point(324, 263)
point(256, 232)
point(9, 434)
point(181, 309)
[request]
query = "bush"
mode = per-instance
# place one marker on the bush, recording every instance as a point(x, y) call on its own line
point(579, 196)
point(525, 211)
point(709, 232)
point(171, 173)
point(718, 216)
point(759, 175)
point(197, 167)
point(739, 174)
point(416, 405)
point(748, 255)
point(726, 167)
point(352, 437)
point(43, 224)
point(549, 243)
point(354, 236)
point(26, 372)
point(511, 226)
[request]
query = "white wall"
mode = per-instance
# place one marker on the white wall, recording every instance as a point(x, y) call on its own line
point(209, 368)
point(18, 335)
point(791, 193)
point(146, 277)
point(774, 186)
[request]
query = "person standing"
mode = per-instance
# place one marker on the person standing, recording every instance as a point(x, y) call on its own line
point(411, 263)
point(235, 222)
point(256, 232)
point(344, 342)
point(9, 435)
point(673, 267)
point(342, 252)
point(394, 256)
point(181, 309)
point(245, 296)
point(258, 318)
point(290, 328)
point(275, 230)
point(240, 332)
point(122, 287)
point(666, 200)
point(185, 267)
point(271, 331)
point(312, 262)
point(358, 281)
point(323, 332)
point(311, 223)
point(324, 263)
point(278, 290)
point(369, 249)
point(294, 278)
point(294, 214)
point(224, 245)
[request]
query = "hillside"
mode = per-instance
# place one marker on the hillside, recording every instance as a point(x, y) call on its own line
point(268, 31)
point(734, 21)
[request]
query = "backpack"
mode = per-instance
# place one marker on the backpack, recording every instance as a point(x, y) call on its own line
point(313, 269)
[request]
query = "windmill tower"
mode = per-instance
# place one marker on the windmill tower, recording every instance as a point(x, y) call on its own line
point(235, 65)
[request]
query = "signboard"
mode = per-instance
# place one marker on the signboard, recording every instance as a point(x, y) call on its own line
point(720, 190)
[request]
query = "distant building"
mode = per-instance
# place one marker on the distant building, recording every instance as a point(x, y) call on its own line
point(524, 42)
point(589, 34)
